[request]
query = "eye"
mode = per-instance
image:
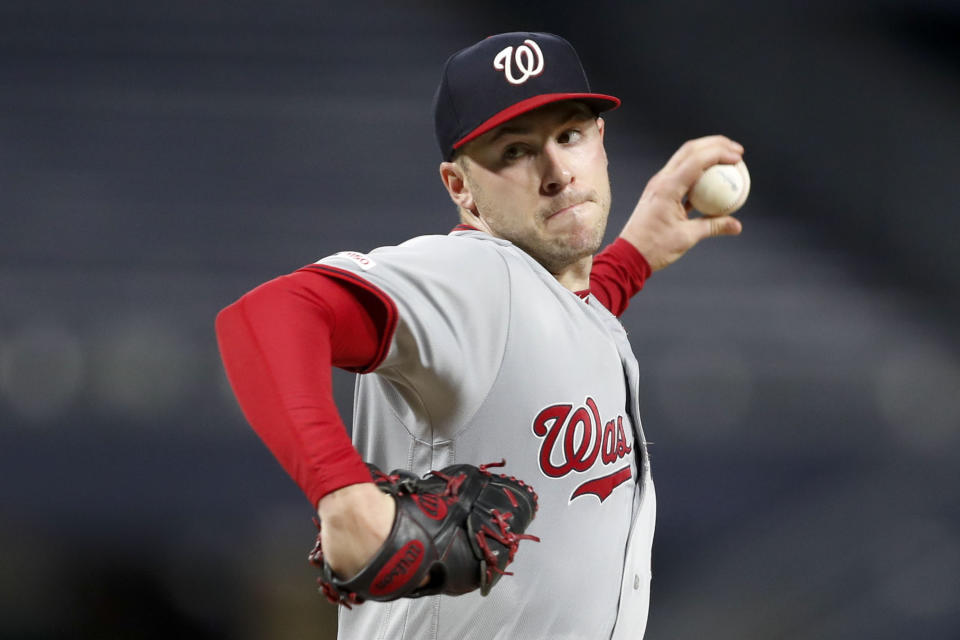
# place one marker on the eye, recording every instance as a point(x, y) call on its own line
point(514, 152)
point(568, 136)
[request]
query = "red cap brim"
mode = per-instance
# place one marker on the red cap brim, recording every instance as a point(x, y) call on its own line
point(603, 102)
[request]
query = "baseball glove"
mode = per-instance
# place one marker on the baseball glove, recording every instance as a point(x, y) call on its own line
point(457, 528)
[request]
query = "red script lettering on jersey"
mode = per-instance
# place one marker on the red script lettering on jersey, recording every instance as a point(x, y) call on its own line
point(559, 425)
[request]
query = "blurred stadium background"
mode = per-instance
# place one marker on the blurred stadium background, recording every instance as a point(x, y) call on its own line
point(802, 382)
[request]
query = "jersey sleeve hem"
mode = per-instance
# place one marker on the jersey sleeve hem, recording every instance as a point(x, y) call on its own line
point(619, 273)
point(625, 250)
point(389, 306)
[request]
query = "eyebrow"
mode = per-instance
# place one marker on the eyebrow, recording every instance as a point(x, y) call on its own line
point(506, 130)
point(572, 113)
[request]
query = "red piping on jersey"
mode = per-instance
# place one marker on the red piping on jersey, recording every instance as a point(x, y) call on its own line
point(392, 316)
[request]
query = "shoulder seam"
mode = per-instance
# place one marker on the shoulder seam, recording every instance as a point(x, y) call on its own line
point(467, 423)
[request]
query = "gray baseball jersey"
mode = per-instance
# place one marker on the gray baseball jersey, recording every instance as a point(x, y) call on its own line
point(492, 358)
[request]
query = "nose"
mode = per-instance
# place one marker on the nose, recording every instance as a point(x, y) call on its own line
point(556, 173)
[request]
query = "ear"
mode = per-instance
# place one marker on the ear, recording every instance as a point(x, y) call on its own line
point(455, 181)
point(602, 127)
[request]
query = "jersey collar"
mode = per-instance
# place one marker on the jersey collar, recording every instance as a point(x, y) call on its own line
point(583, 293)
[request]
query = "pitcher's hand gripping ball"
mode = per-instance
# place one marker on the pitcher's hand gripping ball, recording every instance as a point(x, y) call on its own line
point(458, 528)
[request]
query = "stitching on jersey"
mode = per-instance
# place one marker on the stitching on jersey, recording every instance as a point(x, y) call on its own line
point(414, 440)
point(412, 389)
point(435, 622)
point(384, 619)
point(467, 423)
point(411, 449)
point(406, 618)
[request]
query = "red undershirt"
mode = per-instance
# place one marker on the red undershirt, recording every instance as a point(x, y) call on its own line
point(278, 343)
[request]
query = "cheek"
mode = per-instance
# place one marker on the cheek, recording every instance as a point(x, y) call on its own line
point(599, 178)
point(596, 159)
point(507, 198)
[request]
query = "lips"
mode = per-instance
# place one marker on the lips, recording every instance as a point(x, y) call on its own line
point(566, 207)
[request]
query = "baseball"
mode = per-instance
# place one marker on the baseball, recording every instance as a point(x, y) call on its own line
point(721, 190)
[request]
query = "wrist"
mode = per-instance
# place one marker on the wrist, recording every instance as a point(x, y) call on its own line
point(354, 522)
point(351, 503)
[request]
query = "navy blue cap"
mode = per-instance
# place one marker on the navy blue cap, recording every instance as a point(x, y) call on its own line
point(502, 77)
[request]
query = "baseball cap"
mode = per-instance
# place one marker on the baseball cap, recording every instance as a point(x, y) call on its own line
point(502, 77)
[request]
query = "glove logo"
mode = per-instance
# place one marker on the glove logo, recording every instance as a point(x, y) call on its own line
point(431, 505)
point(560, 425)
point(528, 59)
point(399, 569)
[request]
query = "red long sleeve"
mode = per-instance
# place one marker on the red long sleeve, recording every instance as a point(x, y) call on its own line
point(618, 273)
point(278, 344)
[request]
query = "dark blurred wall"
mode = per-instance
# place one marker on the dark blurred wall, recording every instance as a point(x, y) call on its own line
point(800, 382)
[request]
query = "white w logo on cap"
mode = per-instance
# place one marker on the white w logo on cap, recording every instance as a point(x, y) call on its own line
point(528, 59)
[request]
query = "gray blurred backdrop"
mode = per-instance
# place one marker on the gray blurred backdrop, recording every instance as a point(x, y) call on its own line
point(801, 383)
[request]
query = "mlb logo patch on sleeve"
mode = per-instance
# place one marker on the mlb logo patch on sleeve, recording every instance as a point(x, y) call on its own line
point(362, 260)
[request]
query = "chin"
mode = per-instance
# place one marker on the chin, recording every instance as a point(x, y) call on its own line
point(558, 256)
point(587, 240)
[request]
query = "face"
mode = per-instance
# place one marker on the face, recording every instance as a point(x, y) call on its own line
point(539, 181)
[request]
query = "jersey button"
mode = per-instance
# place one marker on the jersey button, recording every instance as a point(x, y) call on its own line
point(636, 582)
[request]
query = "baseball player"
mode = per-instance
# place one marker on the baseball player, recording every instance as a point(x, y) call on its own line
point(498, 340)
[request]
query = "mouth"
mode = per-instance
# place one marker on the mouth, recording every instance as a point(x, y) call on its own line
point(565, 209)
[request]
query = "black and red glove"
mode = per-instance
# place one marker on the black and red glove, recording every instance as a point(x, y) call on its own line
point(455, 531)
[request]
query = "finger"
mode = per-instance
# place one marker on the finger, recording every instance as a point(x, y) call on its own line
point(678, 181)
point(698, 144)
point(705, 227)
point(712, 227)
point(690, 170)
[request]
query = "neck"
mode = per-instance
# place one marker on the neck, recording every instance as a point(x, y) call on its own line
point(576, 277)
